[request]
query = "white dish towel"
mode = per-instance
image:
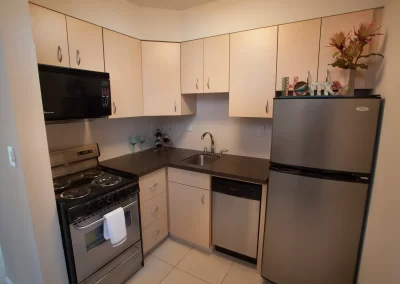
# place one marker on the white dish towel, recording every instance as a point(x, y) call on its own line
point(114, 227)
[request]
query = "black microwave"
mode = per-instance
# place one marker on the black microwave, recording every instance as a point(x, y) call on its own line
point(72, 94)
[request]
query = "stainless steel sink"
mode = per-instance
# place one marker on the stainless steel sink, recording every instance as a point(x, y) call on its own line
point(201, 160)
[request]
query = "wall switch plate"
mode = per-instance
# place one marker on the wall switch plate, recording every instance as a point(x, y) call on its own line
point(190, 128)
point(261, 131)
point(11, 156)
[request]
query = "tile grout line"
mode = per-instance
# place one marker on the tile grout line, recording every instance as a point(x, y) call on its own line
point(230, 267)
point(166, 275)
point(184, 257)
point(193, 275)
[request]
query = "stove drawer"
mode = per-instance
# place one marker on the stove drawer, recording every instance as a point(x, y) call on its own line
point(155, 233)
point(153, 209)
point(152, 184)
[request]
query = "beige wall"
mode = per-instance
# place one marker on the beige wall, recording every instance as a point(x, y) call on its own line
point(226, 16)
point(29, 228)
point(381, 254)
point(111, 134)
point(238, 135)
point(122, 16)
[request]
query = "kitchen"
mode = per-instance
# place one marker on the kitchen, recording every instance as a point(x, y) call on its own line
point(251, 137)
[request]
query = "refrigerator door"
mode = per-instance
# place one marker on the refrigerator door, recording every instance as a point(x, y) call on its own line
point(325, 133)
point(313, 229)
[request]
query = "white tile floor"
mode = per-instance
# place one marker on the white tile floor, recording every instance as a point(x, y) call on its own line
point(176, 263)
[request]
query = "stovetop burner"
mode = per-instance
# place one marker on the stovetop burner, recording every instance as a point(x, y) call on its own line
point(76, 193)
point(61, 184)
point(92, 174)
point(107, 180)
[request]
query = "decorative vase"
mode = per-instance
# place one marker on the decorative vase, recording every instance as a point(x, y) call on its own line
point(348, 81)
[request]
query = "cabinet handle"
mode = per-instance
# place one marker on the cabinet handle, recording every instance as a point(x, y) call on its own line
point(267, 107)
point(208, 83)
point(202, 198)
point(59, 54)
point(155, 210)
point(115, 107)
point(78, 57)
point(155, 234)
point(197, 84)
point(154, 185)
point(327, 75)
point(175, 105)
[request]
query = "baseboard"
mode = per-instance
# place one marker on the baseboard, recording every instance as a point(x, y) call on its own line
point(8, 281)
point(180, 240)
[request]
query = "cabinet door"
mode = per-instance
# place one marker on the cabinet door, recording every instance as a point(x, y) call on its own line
point(298, 47)
point(216, 64)
point(189, 213)
point(161, 78)
point(192, 66)
point(49, 31)
point(253, 72)
point(330, 26)
point(123, 60)
point(86, 45)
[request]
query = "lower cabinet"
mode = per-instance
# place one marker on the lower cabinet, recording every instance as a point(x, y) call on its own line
point(189, 213)
point(155, 233)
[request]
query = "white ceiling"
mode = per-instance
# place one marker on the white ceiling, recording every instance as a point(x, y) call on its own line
point(170, 4)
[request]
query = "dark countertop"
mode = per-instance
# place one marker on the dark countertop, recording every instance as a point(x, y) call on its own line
point(249, 169)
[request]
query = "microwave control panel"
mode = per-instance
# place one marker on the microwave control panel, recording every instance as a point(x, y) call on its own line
point(105, 94)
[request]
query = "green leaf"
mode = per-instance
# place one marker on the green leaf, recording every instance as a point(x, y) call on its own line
point(336, 54)
point(372, 54)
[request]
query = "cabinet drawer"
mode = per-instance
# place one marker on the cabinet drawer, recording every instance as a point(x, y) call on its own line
point(153, 209)
point(155, 233)
point(152, 185)
point(189, 178)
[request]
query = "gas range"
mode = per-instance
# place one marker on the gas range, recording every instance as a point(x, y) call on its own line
point(84, 193)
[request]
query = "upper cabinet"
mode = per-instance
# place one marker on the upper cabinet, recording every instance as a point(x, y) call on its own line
point(85, 45)
point(216, 64)
point(253, 72)
point(49, 31)
point(161, 78)
point(330, 26)
point(123, 60)
point(298, 48)
point(192, 56)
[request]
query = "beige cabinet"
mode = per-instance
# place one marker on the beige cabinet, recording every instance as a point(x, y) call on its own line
point(152, 185)
point(161, 78)
point(216, 64)
point(123, 60)
point(85, 45)
point(49, 31)
point(192, 66)
point(155, 234)
point(253, 72)
point(189, 213)
point(298, 48)
point(330, 26)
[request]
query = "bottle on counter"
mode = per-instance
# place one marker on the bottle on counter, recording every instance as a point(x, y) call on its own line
point(158, 145)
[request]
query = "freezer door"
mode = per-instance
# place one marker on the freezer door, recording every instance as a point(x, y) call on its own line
point(332, 134)
point(313, 229)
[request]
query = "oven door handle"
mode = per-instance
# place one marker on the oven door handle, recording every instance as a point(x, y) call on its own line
point(101, 219)
point(132, 255)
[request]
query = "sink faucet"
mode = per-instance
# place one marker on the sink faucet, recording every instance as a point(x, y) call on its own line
point(212, 141)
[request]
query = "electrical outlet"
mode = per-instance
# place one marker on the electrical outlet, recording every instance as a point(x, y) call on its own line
point(190, 128)
point(261, 131)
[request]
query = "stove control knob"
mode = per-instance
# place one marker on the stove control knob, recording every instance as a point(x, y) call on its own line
point(119, 195)
point(100, 203)
point(89, 208)
point(110, 199)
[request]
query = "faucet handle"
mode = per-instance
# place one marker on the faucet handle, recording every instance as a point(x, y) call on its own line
point(223, 151)
point(205, 150)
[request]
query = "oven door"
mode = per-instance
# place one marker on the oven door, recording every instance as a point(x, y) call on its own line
point(91, 250)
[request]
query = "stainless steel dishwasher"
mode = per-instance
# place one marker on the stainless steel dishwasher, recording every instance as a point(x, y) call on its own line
point(235, 217)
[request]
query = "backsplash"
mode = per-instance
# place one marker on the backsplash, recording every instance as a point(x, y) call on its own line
point(110, 134)
point(238, 135)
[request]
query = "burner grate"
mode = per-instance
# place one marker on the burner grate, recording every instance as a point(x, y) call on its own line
point(76, 193)
point(107, 180)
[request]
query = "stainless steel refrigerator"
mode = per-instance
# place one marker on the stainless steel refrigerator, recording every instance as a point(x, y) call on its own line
point(321, 159)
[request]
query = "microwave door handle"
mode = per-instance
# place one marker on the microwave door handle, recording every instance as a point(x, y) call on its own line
point(101, 219)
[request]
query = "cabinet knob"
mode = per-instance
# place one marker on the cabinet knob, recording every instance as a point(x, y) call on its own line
point(267, 107)
point(153, 211)
point(175, 105)
point(78, 57)
point(115, 107)
point(197, 84)
point(202, 198)
point(155, 234)
point(153, 186)
point(59, 54)
point(208, 83)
